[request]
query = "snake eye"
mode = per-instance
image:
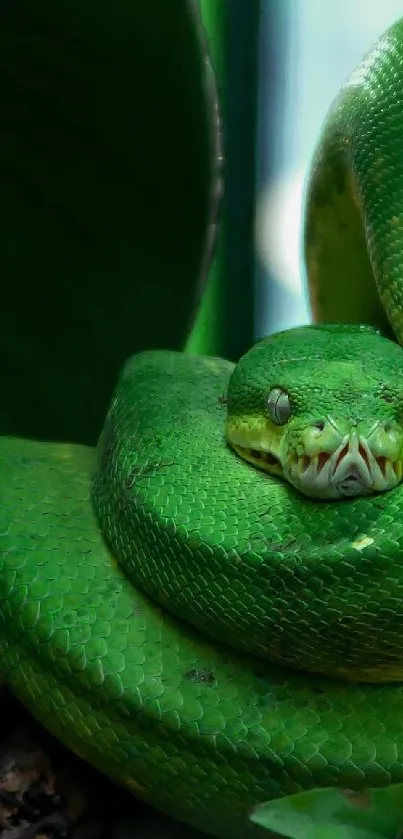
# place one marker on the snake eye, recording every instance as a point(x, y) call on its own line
point(279, 406)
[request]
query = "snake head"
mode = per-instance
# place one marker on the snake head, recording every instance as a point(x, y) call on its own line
point(321, 407)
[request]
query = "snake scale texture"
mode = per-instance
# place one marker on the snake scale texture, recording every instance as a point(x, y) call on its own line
point(172, 613)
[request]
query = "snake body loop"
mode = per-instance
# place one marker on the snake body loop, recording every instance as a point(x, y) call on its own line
point(162, 601)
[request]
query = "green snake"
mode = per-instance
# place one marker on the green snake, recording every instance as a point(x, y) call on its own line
point(170, 609)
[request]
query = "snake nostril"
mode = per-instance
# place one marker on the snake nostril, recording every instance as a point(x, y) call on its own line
point(319, 424)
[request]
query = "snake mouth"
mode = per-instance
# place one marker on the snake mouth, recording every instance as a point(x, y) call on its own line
point(344, 472)
point(349, 466)
point(368, 472)
point(322, 458)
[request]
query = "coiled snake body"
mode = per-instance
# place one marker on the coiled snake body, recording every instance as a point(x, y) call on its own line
point(172, 612)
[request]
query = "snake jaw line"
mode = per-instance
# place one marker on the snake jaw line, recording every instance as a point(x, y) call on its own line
point(261, 458)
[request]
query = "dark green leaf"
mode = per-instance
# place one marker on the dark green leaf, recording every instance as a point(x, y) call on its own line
point(335, 814)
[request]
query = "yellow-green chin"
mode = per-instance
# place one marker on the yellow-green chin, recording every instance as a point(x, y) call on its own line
point(256, 442)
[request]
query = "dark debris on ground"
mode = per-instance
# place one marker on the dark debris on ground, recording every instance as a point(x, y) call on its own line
point(48, 793)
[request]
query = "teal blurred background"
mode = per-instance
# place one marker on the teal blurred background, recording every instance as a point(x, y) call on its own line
point(279, 64)
point(307, 50)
